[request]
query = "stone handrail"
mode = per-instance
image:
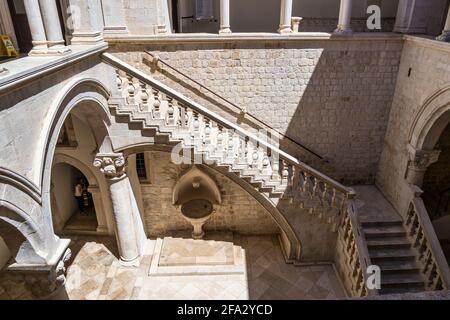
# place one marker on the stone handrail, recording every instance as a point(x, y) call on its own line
point(420, 230)
point(352, 255)
point(242, 110)
point(318, 182)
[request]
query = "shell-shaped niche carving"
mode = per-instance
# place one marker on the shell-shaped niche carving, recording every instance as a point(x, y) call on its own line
point(196, 193)
point(195, 185)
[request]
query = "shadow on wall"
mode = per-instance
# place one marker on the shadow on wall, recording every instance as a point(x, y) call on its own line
point(345, 92)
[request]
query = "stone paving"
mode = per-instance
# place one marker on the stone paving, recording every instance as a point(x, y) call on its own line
point(95, 273)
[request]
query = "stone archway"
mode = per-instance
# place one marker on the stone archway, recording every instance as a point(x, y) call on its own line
point(429, 161)
point(95, 189)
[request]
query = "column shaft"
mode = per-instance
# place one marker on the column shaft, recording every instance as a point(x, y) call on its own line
point(126, 236)
point(285, 17)
point(345, 17)
point(225, 16)
point(36, 27)
point(445, 36)
point(50, 16)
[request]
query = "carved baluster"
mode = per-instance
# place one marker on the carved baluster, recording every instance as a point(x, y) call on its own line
point(143, 106)
point(120, 81)
point(285, 174)
point(156, 104)
point(170, 113)
point(276, 170)
point(131, 89)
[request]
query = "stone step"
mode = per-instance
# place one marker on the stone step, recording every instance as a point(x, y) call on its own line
point(400, 290)
point(389, 243)
point(398, 266)
point(391, 254)
point(381, 224)
point(383, 232)
point(402, 280)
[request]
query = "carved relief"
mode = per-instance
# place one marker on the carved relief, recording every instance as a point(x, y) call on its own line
point(112, 166)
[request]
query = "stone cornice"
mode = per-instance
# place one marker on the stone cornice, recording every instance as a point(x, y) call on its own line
point(246, 37)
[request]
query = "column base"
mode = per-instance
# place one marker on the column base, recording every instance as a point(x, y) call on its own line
point(285, 29)
point(59, 50)
point(225, 30)
point(87, 38)
point(343, 30)
point(130, 263)
point(445, 36)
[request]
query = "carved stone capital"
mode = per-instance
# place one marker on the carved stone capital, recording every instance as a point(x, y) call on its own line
point(113, 166)
point(419, 161)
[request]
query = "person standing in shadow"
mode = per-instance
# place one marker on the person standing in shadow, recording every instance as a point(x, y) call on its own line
point(78, 194)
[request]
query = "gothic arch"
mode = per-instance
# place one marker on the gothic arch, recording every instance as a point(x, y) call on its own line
point(80, 92)
point(32, 249)
point(430, 120)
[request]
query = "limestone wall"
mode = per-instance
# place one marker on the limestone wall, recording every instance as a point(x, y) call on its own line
point(238, 212)
point(423, 71)
point(332, 96)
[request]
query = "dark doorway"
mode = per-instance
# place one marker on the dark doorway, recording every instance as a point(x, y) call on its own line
point(20, 23)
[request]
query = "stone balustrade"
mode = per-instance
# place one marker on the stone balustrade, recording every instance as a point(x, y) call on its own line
point(431, 257)
point(352, 256)
point(224, 142)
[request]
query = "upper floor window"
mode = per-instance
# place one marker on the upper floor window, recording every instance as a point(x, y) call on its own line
point(204, 10)
point(141, 167)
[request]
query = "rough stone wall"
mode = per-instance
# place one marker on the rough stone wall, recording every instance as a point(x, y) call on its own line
point(238, 212)
point(428, 62)
point(332, 96)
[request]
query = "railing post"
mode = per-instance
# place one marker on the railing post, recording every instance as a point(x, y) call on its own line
point(345, 17)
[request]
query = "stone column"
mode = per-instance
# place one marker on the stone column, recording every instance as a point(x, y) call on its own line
point(419, 161)
point(87, 22)
point(285, 16)
point(98, 204)
point(225, 27)
point(113, 166)
point(445, 36)
point(345, 17)
point(36, 27)
point(114, 17)
point(50, 16)
point(411, 16)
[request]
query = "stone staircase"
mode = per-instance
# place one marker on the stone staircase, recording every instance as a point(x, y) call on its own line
point(174, 119)
point(390, 249)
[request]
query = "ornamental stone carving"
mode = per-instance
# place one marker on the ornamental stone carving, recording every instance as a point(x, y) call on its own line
point(113, 166)
point(419, 161)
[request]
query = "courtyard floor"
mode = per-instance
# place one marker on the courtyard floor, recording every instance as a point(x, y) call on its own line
point(179, 268)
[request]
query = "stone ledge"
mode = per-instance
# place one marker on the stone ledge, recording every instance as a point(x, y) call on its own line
point(234, 37)
point(29, 68)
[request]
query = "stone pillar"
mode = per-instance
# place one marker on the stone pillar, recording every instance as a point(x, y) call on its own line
point(419, 161)
point(87, 22)
point(445, 36)
point(285, 16)
point(50, 16)
point(345, 17)
point(225, 27)
point(98, 204)
point(114, 17)
point(113, 166)
point(36, 27)
point(411, 16)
